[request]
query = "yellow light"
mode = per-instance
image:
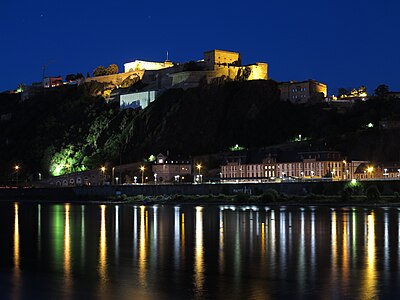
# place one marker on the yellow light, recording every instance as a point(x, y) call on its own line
point(198, 166)
point(142, 168)
point(16, 168)
point(103, 169)
point(370, 169)
point(344, 161)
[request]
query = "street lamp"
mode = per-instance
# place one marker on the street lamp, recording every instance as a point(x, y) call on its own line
point(155, 178)
point(16, 168)
point(142, 170)
point(385, 174)
point(198, 167)
point(370, 170)
point(103, 170)
point(116, 180)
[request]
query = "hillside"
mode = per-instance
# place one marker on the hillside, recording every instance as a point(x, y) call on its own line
point(66, 129)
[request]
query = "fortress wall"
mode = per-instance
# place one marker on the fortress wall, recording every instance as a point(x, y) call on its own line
point(115, 79)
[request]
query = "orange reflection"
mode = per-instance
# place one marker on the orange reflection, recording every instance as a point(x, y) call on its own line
point(17, 270)
point(16, 239)
point(67, 249)
point(334, 244)
point(103, 247)
point(262, 240)
point(370, 275)
point(198, 260)
point(182, 235)
point(142, 245)
point(345, 250)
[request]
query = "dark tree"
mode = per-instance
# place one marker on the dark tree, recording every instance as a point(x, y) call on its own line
point(342, 92)
point(112, 69)
point(381, 90)
point(70, 77)
point(100, 71)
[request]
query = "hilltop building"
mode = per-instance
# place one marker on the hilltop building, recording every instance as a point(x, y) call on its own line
point(49, 82)
point(303, 92)
point(215, 64)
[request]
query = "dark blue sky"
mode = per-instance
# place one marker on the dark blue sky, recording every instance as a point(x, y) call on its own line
point(341, 43)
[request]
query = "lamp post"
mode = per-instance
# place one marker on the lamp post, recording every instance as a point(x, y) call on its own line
point(142, 170)
point(103, 170)
point(16, 168)
point(155, 178)
point(198, 167)
point(116, 180)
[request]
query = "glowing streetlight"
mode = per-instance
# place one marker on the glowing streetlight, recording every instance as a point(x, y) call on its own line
point(370, 170)
point(16, 168)
point(155, 178)
point(103, 170)
point(198, 167)
point(142, 170)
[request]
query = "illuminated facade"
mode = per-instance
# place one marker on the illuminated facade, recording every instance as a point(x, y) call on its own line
point(90, 177)
point(217, 64)
point(49, 82)
point(303, 92)
point(167, 169)
point(137, 100)
point(146, 65)
point(319, 164)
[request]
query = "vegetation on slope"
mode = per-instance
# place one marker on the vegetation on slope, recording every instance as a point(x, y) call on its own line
point(67, 129)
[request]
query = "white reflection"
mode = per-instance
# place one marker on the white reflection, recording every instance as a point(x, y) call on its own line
point(154, 246)
point(386, 243)
point(83, 233)
point(135, 230)
point(221, 242)
point(301, 266)
point(39, 228)
point(273, 235)
point(117, 232)
point(199, 253)
point(282, 240)
point(313, 255)
point(177, 235)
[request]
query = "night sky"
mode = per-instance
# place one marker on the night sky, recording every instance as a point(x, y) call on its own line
point(340, 43)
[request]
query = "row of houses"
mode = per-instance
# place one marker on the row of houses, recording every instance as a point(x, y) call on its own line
point(238, 167)
point(303, 165)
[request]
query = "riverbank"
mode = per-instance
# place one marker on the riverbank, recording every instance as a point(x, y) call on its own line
point(308, 193)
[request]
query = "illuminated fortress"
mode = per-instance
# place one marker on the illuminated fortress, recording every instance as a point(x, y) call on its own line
point(216, 65)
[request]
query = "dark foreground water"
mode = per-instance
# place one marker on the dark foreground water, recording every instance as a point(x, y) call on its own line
point(65, 251)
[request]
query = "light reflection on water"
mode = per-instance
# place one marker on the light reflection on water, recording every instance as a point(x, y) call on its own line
point(204, 252)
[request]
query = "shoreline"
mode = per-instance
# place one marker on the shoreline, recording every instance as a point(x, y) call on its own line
point(211, 201)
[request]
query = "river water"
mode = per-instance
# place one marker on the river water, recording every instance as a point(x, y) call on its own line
point(70, 251)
